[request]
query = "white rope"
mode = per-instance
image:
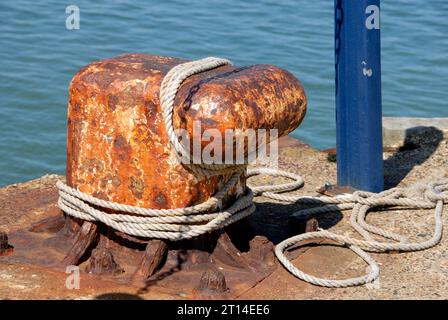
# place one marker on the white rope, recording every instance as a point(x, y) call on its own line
point(432, 196)
point(185, 223)
point(168, 90)
point(169, 224)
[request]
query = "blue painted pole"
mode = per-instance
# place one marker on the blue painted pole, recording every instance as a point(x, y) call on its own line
point(358, 94)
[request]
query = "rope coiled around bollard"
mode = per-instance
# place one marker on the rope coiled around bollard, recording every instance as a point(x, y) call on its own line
point(185, 223)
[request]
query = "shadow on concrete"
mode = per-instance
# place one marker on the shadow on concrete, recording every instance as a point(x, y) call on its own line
point(118, 296)
point(273, 220)
point(420, 143)
point(276, 222)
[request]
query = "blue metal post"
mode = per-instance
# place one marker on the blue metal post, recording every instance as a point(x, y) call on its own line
point(358, 94)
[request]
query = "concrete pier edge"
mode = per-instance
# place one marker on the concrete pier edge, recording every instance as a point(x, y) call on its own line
point(396, 129)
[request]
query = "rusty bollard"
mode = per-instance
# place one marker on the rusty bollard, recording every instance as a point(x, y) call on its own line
point(117, 145)
point(118, 149)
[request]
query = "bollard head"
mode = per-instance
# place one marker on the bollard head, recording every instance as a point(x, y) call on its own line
point(117, 144)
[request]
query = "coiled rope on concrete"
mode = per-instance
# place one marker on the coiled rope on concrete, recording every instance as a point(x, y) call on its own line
point(185, 223)
point(431, 196)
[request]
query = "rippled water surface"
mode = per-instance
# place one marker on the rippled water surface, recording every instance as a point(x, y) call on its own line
point(39, 56)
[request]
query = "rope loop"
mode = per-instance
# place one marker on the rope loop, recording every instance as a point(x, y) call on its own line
point(436, 192)
point(168, 90)
point(374, 270)
point(261, 190)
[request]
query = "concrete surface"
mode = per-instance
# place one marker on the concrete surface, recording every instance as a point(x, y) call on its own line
point(397, 129)
point(417, 275)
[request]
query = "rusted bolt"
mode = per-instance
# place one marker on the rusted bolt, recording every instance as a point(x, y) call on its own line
point(153, 258)
point(298, 225)
point(212, 282)
point(102, 262)
point(4, 245)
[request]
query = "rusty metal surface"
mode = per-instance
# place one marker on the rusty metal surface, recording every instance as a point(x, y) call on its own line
point(26, 275)
point(406, 276)
point(117, 146)
point(118, 150)
point(40, 243)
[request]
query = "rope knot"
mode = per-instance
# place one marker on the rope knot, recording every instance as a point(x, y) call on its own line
point(363, 197)
point(432, 194)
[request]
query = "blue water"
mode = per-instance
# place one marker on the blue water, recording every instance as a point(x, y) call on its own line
point(39, 56)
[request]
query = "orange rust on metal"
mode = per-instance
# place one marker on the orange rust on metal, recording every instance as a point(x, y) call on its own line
point(117, 144)
point(118, 150)
point(152, 259)
point(35, 228)
point(5, 248)
point(334, 190)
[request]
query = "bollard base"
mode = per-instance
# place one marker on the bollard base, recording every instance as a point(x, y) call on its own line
point(218, 265)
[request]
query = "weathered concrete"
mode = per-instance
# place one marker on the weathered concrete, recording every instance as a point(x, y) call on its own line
point(418, 275)
point(396, 130)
